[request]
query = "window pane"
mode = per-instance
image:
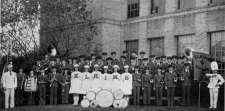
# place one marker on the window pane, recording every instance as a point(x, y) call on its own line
point(157, 46)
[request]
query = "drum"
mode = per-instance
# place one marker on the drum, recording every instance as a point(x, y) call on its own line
point(93, 104)
point(117, 104)
point(124, 103)
point(30, 85)
point(104, 98)
point(90, 95)
point(85, 103)
point(118, 94)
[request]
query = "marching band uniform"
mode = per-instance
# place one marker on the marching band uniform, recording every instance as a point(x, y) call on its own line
point(136, 86)
point(215, 81)
point(54, 79)
point(170, 81)
point(116, 79)
point(42, 85)
point(126, 79)
point(20, 83)
point(147, 80)
point(186, 85)
point(96, 83)
point(106, 79)
point(31, 85)
point(115, 61)
point(76, 84)
point(87, 80)
point(9, 82)
point(158, 86)
point(65, 82)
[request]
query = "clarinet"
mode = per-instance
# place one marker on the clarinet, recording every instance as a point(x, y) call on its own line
point(53, 80)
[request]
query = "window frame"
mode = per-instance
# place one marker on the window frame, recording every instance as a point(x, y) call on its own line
point(155, 38)
point(133, 8)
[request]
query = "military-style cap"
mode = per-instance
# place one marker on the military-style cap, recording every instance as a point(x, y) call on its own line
point(10, 66)
point(163, 56)
point(104, 53)
point(126, 67)
point(96, 65)
point(113, 52)
point(109, 58)
point(81, 56)
point(145, 59)
point(105, 67)
point(86, 66)
point(157, 58)
point(169, 57)
point(174, 57)
point(136, 67)
point(116, 66)
point(123, 57)
point(76, 65)
point(99, 57)
point(152, 56)
point(142, 52)
point(124, 51)
point(87, 58)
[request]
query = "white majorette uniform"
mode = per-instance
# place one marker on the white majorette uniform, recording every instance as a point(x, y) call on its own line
point(96, 81)
point(116, 80)
point(87, 80)
point(76, 83)
point(215, 80)
point(9, 82)
point(127, 82)
point(106, 79)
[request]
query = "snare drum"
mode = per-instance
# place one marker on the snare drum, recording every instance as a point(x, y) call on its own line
point(93, 104)
point(91, 95)
point(85, 103)
point(124, 103)
point(118, 94)
point(117, 104)
point(104, 98)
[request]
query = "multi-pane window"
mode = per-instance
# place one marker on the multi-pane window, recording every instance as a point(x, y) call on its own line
point(184, 41)
point(185, 4)
point(156, 46)
point(133, 8)
point(131, 46)
point(157, 6)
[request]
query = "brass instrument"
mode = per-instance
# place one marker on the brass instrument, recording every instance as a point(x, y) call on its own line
point(53, 79)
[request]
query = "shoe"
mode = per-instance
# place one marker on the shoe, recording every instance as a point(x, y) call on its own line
point(210, 107)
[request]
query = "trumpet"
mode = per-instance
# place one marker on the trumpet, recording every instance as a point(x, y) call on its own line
point(53, 79)
point(175, 79)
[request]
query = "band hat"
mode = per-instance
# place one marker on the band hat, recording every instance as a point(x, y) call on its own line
point(76, 65)
point(126, 67)
point(105, 67)
point(96, 65)
point(214, 65)
point(10, 66)
point(86, 66)
point(116, 66)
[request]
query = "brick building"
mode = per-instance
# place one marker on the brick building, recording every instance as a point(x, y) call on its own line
point(160, 27)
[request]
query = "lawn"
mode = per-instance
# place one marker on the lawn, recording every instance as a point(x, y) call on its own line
point(130, 108)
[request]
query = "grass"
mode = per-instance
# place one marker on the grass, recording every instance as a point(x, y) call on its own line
point(130, 108)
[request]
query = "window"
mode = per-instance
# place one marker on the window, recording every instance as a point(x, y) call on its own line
point(157, 6)
point(184, 41)
point(131, 46)
point(133, 8)
point(216, 2)
point(156, 46)
point(185, 4)
point(217, 45)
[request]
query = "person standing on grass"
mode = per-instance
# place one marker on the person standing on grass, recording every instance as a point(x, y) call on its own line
point(9, 81)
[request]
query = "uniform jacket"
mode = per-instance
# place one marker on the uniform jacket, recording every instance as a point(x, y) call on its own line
point(158, 80)
point(54, 83)
point(43, 79)
point(9, 80)
point(146, 80)
point(137, 79)
point(186, 78)
point(169, 79)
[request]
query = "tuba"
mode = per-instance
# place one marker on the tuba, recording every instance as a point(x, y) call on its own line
point(188, 52)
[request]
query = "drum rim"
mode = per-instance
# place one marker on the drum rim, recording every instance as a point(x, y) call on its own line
point(118, 91)
point(85, 100)
point(92, 93)
point(106, 91)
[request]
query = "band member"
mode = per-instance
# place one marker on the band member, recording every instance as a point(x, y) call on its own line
point(42, 86)
point(116, 79)
point(76, 84)
point(123, 62)
point(147, 81)
point(126, 79)
point(100, 62)
point(215, 81)
point(125, 54)
point(115, 61)
point(19, 91)
point(106, 79)
point(144, 64)
point(54, 79)
point(137, 86)
point(9, 81)
point(170, 81)
point(104, 57)
point(31, 87)
point(87, 80)
point(142, 56)
point(109, 64)
point(158, 86)
point(96, 84)
point(65, 82)
point(186, 84)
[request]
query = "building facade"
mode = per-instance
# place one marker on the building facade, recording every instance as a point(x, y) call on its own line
point(160, 27)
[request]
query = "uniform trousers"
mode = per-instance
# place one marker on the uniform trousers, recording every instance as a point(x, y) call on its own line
point(186, 95)
point(136, 95)
point(9, 98)
point(42, 93)
point(53, 95)
point(65, 94)
point(170, 96)
point(159, 94)
point(146, 95)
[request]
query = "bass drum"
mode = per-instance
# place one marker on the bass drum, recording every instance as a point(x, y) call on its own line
point(91, 95)
point(104, 98)
point(118, 94)
point(85, 103)
point(124, 103)
point(117, 104)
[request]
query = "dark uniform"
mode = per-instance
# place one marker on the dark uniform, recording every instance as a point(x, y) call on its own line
point(147, 80)
point(65, 82)
point(170, 81)
point(136, 87)
point(54, 78)
point(19, 91)
point(158, 85)
point(42, 86)
point(186, 85)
